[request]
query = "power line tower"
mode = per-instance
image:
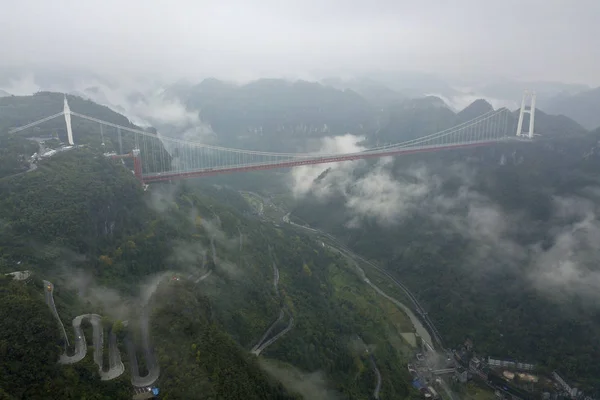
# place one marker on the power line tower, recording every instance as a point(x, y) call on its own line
point(527, 95)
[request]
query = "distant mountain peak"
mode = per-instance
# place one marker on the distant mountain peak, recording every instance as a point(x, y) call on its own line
point(480, 104)
point(426, 102)
point(474, 110)
point(582, 107)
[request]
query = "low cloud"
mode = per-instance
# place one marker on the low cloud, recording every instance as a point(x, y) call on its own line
point(22, 86)
point(376, 195)
point(563, 263)
point(570, 265)
point(338, 174)
point(460, 101)
point(191, 256)
point(107, 301)
point(312, 385)
point(144, 102)
point(379, 196)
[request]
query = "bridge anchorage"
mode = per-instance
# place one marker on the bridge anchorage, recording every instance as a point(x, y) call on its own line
point(162, 158)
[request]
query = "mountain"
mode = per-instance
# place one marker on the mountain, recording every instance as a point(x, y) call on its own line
point(512, 90)
point(277, 114)
point(211, 277)
point(15, 111)
point(418, 117)
point(414, 118)
point(414, 84)
point(473, 110)
point(551, 125)
point(379, 95)
point(582, 107)
point(485, 239)
point(4, 93)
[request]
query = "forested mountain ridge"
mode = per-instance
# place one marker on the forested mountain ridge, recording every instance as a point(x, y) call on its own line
point(487, 240)
point(582, 107)
point(272, 112)
point(83, 221)
point(15, 111)
point(413, 118)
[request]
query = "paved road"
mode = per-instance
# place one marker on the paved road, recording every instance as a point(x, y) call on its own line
point(418, 307)
point(203, 277)
point(276, 337)
point(151, 363)
point(261, 345)
point(268, 332)
point(375, 369)
point(116, 367)
point(214, 251)
point(378, 384)
point(115, 364)
point(49, 296)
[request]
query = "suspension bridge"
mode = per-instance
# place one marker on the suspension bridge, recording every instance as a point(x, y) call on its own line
point(162, 158)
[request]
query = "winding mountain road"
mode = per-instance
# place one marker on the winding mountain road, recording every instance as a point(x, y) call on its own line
point(375, 369)
point(151, 363)
point(268, 332)
point(115, 365)
point(275, 338)
point(378, 374)
point(261, 345)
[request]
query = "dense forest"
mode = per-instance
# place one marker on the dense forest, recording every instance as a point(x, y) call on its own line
point(484, 238)
point(467, 231)
point(83, 221)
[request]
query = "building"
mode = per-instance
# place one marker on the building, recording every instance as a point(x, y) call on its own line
point(19, 275)
point(461, 375)
point(495, 363)
point(475, 363)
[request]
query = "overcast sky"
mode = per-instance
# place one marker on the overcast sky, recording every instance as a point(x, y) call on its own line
point(240, 39)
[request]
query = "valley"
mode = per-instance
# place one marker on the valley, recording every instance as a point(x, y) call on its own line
point(354, 278)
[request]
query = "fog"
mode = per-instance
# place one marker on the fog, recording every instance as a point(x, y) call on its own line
point(532, 39)
point(563, 267)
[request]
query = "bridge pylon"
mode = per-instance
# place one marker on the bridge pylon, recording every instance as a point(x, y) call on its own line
point(137, 164)
point(527, 95)
point(67, 113)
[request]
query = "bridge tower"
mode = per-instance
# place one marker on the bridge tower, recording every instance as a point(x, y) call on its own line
point(524, 110)
point(67, 113)
point(137, 164)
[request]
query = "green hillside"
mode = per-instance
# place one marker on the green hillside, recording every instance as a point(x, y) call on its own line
point(82, 221)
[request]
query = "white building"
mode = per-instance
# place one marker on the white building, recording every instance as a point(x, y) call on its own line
point(20, 275)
